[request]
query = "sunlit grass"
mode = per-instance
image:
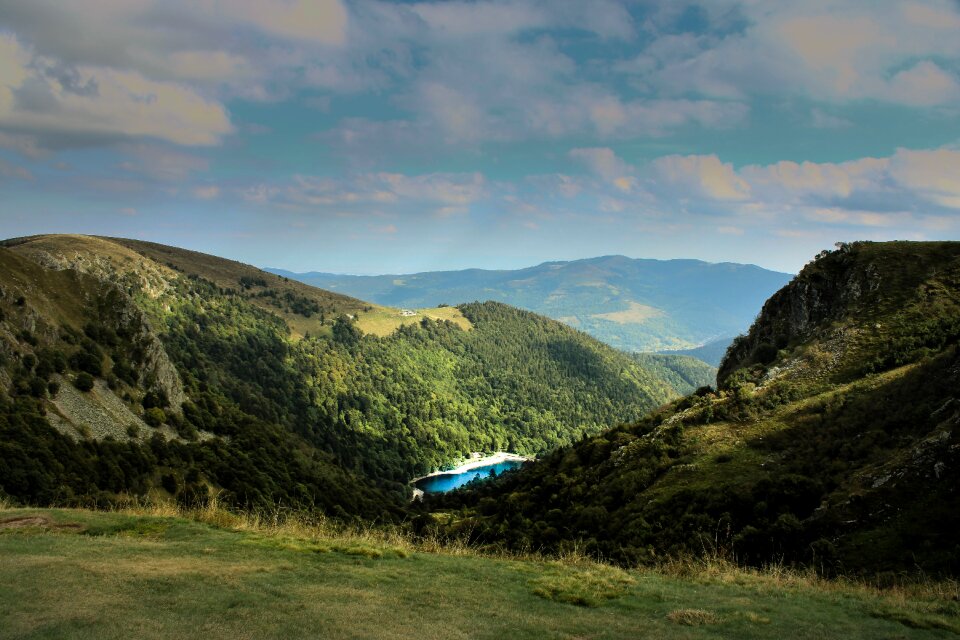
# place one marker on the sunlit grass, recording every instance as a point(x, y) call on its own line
point(160, 570)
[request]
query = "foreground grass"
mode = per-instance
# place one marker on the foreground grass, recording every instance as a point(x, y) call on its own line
point(84, 574)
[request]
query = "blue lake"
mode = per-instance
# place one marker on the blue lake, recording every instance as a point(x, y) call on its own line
point(450, 481)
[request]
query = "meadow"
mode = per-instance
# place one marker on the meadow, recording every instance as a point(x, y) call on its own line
point(162, 571)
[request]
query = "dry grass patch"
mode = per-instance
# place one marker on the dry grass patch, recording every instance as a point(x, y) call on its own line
point(693, 617)
point(582, 585)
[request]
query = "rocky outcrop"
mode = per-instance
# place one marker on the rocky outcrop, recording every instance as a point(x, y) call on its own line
point(156, 372)
point(121, 273)
point(838, 291)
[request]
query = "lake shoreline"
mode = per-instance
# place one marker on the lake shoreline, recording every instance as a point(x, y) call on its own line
point(474, 463)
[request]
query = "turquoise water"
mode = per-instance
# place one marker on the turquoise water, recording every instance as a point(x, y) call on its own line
point(450, 481)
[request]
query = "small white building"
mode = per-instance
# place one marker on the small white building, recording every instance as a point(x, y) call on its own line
point(407, 313)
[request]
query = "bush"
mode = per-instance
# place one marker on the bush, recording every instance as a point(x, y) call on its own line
point(83, 381)
point(154, 416)
point(765, 353)
point(87, 362)
point(156, 398)
point(38, 387)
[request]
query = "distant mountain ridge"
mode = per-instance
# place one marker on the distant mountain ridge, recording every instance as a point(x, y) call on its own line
point(632, 304)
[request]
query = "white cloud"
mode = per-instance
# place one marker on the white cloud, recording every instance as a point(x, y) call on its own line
point(924, 182)
point(825, 180)
point(925, 84)
point(443, 193)
point(459, 117)
point(602, 161)
point(820, 119)
point(605, 163)
point(703, 175)
point(828, 50)
point(933, 174)
point(206, 192)
point(317, 21)
point(916, 191)
point(36, 98)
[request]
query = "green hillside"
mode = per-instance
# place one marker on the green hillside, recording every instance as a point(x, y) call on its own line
point(81, 574)
point(832, 441)
point(132, 368)
point(683, 372)
point(631, 304)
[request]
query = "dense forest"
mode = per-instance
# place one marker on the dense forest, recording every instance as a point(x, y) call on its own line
point(124, 375)
point(832, 440)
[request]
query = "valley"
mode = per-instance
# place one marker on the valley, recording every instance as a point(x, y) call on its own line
point(205, 408)
point(206, 374)
point(479, 319)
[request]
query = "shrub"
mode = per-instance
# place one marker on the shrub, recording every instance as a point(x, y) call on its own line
point(156, 398)
point(38, 387)
point(765, 353)
point(154, 416)
point(83, 381)
point(87, 362)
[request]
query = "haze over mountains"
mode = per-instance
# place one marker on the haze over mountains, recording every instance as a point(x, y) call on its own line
point(631, 304)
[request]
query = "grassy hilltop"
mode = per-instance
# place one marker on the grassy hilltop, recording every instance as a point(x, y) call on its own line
point(81, 574)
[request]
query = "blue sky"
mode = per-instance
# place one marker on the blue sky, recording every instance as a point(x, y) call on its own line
point(374, 137)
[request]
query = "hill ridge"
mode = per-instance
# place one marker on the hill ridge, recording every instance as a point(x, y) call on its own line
point(832, 440)
point(696, 301)
point(274, 391)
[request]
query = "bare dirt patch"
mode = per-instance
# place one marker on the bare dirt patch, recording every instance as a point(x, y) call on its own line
point(43, 522)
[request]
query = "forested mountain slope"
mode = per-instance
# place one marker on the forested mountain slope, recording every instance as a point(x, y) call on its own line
point(834, 439)
point(131, 368)
point(634, 305)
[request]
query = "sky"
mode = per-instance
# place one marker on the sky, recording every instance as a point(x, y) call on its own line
point(393, 137)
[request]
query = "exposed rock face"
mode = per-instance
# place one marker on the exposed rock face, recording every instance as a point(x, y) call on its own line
point(836, 286)
point(157, 372)
point(121, 272)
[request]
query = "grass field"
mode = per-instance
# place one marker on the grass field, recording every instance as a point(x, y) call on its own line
point(84, 574)
point(382, 321)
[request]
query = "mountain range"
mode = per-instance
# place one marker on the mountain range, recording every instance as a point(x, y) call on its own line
point(129, 368)
point(631, 304)
point(136, 371)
